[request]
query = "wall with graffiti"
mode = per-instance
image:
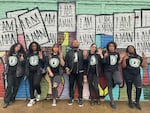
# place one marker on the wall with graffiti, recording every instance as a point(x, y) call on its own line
point(47, 22)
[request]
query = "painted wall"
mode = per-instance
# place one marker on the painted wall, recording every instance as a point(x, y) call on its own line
point(117, 14)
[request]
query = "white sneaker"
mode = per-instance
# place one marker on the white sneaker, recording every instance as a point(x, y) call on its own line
point(31, 102)
point(54, 102)
point(38, 97)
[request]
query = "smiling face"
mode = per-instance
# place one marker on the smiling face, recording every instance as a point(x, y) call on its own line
point(111, 47)
point(17, 48)
point(56, 48)
point(75, 44)
point(34, 47)
point(93, 48)
point(131, 50)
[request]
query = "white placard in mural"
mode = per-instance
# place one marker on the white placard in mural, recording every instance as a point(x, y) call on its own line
point(86, 30)
point(15, 15)
point(145, 18)
point(33, 27)
point(66, 17)
point(124, 29)
point(104, 24)
point(50, 21)
point(8, 33)
point(138, 18)
point(142, 41)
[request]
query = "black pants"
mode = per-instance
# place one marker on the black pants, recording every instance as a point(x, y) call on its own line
point(131, 79)
point(75, 78)
point(34, 81)
point(93, 82)
point(12, 87)
point(113, 77)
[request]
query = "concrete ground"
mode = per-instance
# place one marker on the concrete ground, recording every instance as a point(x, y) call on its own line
point(45, 107)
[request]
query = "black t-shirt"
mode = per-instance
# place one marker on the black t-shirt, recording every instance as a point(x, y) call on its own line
point(133, 64)
point(92, 63)
point(54, 64)
point(111, 62)
point(34, 61)
point(13, 61)
point(75, 62)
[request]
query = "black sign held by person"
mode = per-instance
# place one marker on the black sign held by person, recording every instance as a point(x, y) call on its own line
point(86, 30)
point(66, 17)
point(104, 24)
point(8, 33)
point(124, 29)
point(50, 21)
point(15, 14)
point(33, 27)
point(142, 41)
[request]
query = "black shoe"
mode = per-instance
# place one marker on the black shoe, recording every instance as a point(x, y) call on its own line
point(131, 105)
point(113, 105)
point(98, 102)
point(70, 102)
point(138, 106)
point(92, 102)
point(5, 105)
point(80, 103)
point(49, 96)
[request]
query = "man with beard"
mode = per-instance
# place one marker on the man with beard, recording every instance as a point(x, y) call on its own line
point(74, 66)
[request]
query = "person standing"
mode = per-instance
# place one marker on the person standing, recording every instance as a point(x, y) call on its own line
point(14, 71)
point(94, 62)
point(131, 70)
point(111, 61)
point(34, 65)
point(55, 70)
point(74, 66)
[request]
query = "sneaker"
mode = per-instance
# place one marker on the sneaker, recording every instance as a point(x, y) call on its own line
point(38, 97)
point(138, 106)
point(92, 102)
point(98, 102)
point(11, 102)
point(113, 105)
point(49, 96)
point(70, 102)
point(80, 103)
point(31, 102)
point(5, 105)
point(131, 105)
point(54, 102)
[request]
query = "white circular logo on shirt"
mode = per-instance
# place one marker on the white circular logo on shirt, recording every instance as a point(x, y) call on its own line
point(134, 62)
point(34, 60)
point(113, 59)
point(54, 62)
point(75, 57)
point(12, 60)
point(93, 60)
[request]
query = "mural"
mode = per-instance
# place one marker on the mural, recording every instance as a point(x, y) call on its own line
point(63, 25)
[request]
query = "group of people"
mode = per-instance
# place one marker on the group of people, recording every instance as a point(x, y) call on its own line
point(77, 64)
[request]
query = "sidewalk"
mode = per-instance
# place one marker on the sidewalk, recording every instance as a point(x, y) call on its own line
point(45, 107)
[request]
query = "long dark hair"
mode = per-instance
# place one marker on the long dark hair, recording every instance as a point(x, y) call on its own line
point(127, 49)
point(12, 49)
point(30, 51)
point(54, 46)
